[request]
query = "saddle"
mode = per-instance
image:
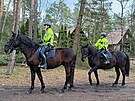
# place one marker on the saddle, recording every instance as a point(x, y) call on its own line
point(50, 53)
point(106, 56)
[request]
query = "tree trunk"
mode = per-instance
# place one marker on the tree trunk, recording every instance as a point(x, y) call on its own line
point(89, 18)
point(31, 19)
point(17, 5)
point(102, 15)
point(78, 27)
point(122, 24)
point(5, 18)
point(23, 12)
point(35, 19)
point(1, 13)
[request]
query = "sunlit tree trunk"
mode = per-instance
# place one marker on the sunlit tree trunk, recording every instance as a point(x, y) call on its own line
point(15, 28)
point(102, 15)
point(23, 12)
point(89, 18)
point(1, 13)
point(123, 4)
point(5, 18)
point(31, 19)
point(35, 19)
point(78, 27)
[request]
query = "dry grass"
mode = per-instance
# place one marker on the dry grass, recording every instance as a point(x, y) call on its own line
point(54, 77)
point(14, 87)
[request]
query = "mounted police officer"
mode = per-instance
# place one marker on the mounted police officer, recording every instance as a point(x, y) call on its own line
point(46, 43)
point(102, 46)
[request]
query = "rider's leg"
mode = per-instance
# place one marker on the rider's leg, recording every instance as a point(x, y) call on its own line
point(43, 64)
point(105, 56)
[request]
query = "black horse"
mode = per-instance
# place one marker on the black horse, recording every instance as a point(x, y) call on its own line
point(63, 56)
point(119, 60)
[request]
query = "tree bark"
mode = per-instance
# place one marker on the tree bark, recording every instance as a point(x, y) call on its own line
point(89, 18)
point(5, 18)
point(31, 19)
point(78, 27)
point(15, 28)
point(122, 24)
point(1, 13)
point(35, 19)
point(102, 15)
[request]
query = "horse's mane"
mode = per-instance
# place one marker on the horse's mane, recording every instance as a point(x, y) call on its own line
point(27, 41)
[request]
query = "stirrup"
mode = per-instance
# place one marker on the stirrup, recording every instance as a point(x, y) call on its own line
point(44, 66)
point(107, 62)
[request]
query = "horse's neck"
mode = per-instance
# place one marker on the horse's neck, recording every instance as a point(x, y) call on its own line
point(92, 50)
point(28, 52)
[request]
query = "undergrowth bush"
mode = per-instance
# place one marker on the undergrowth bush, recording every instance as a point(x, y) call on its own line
point(4, 59)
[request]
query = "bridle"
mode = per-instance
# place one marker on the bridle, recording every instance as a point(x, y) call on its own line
point(90, 56)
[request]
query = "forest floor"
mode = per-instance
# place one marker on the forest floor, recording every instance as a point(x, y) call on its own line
point(14, 87)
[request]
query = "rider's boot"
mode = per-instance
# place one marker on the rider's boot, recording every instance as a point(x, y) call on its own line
point(106, 59)
point(43, 63)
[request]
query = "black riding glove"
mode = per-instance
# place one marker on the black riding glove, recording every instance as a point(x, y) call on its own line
point(42, 41)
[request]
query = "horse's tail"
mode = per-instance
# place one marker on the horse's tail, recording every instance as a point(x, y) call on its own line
point(127, 66)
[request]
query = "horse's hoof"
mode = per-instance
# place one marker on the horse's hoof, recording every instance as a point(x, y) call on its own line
point(122, 84)
point(62, 91)
point(42, 91)
point(114, 83)
point(97, 84)
point(90, 83)
point(71, 86)
point(29, 91)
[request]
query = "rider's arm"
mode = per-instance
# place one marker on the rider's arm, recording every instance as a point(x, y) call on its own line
point(97, 43)
point(48, 35)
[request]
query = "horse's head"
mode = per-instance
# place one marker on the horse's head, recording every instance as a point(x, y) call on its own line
point(12, 43)
point(84, 51)
point(87, 51)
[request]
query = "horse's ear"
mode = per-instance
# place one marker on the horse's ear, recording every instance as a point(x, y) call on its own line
point(13, 33)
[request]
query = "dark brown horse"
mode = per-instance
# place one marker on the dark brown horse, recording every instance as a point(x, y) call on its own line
point(119, 60)
point(63, 56)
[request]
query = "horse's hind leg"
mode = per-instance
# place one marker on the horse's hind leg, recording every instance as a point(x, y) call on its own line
point(118, 75)
point(123, 74)
point(32, 80)
point(72, 75)
point(41, 80)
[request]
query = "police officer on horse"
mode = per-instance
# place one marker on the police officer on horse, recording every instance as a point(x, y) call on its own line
point(102, 46)
point(47, 44)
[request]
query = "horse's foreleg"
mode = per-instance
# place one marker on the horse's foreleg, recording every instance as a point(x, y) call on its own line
point(32, 80)
point(118, 75)
point(65, 85)
point(41, 80)
point(89, 73)
point(96, 75)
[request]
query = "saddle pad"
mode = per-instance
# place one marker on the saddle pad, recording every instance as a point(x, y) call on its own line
point(109, 55)
point(50, 53)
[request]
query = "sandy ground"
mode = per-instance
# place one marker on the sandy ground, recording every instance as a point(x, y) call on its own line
point(14, 87)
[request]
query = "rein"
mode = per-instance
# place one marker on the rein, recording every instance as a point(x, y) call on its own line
point(91, 56)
